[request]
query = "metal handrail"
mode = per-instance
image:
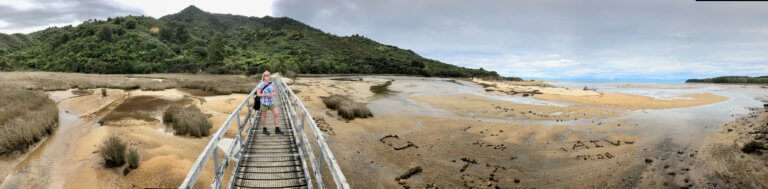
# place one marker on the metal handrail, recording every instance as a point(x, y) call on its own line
point(210, 148)
point(290, 100)
point(303, 143)
point(333, 165)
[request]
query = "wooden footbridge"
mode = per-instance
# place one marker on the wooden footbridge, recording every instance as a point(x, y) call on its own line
point(257, 160)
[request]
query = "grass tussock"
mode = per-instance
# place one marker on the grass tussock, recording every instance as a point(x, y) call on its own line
point(25, 118)
point(157, 86)
point(753, 147)
point(187, 121)
point(113, 152)
point(133, 158)
point(347, 108)
point(381, 88)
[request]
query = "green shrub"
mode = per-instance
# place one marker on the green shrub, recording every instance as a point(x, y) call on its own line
point(113, 152)
point(133, 158)
point(187, 121)
point(25, 118)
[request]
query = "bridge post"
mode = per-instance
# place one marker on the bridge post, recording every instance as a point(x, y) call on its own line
point(215, 167)
point(303, 119)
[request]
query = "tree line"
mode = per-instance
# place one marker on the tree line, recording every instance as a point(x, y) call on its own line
point(731, 79)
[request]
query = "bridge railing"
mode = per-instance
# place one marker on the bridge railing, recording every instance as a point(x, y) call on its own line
point(298, 120)
point(324, 160)
point(211, 149)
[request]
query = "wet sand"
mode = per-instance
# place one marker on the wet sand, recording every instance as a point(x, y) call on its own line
point(464, 136)
point(729, 165)
point(458, 132)
point(637, 102)
point(68, 158)
point(468, 105)
point(595, 98)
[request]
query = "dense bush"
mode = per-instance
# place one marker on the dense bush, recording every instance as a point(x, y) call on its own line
point(25, 118)
point(187, 121)
point(347, 108)
point(113, 152)
point(195, 41)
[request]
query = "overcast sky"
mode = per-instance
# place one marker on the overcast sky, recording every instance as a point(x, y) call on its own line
point(616, 40)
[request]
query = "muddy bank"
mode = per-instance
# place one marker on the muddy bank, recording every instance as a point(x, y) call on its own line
point(729, 162)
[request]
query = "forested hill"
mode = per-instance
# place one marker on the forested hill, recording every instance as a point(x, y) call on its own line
point(731, 79)
point(197, 41)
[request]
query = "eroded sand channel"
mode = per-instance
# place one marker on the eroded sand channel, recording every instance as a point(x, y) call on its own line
point(68, 159)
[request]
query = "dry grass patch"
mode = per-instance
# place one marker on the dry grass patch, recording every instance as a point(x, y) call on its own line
point(25, 118)
point(52, 81)
point(753, 147)
point(113, 152)
point(188, 120)
point(347, 108)
point(133, 158)
point(382, 88)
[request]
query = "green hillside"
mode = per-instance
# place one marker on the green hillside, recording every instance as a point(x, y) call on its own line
point(197, 41)
point(731, 79)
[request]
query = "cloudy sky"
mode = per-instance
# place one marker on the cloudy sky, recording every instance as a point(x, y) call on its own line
point(586, 40)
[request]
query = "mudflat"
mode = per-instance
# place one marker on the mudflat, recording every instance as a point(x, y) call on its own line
point(459, 133)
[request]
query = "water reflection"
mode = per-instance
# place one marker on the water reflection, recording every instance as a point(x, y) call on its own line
point(682, 125)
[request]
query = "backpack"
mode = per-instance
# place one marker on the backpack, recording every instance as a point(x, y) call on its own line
point(257, 103)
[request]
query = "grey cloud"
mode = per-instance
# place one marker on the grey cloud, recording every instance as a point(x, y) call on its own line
point(595, 33)
point(47, 12)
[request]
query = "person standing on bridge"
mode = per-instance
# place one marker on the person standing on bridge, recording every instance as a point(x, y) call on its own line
point(266, 93)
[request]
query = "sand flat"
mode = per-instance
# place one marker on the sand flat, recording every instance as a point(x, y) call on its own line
point(459, 133)
point(472, 105)
point(629, 101)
